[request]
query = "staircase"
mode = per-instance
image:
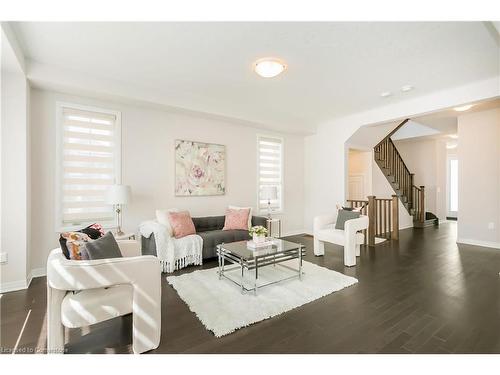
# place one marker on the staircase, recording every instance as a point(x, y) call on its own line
point(401, 179)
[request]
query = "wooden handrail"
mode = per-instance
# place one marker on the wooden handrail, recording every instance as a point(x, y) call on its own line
point(392, 132)
point(397, 172)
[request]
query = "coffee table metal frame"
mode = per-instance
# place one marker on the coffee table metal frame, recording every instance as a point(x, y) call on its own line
point(257, 262)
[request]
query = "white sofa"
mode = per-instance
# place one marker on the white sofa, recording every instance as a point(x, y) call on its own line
point(108, 288)
point(350, 238)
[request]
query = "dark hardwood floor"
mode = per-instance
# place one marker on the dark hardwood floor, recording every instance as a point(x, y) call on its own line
point(422, 294)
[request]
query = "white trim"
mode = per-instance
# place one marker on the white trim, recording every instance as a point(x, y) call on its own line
point(467, 241)
point(118, 160)
point(296, 232)
point(38, 272)
point(12, 286)
point(407, 227)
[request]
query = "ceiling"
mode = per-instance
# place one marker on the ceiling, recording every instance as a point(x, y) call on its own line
point(440, 124)
point(334, 69)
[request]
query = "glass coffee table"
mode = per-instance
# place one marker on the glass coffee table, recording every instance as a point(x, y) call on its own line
point(253, 260)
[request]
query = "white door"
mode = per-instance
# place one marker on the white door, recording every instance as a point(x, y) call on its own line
point(452, 187)
point(357, 187)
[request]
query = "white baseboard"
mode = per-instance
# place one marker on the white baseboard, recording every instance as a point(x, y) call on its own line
point(12, 286)
point(468, 241)
point(38, 272)
point(294, 232)
point(406, 227)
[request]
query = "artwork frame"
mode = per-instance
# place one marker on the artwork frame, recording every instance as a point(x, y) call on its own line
point(200, 168)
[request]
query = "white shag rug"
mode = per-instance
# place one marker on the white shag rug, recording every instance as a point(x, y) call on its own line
point(222, 308)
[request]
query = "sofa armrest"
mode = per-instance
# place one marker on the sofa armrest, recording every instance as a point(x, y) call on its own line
point(354, 225)
point(67, 274)
point(259, 220)
point(321, 221)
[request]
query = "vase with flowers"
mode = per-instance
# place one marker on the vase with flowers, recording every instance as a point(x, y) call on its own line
point(258, 233)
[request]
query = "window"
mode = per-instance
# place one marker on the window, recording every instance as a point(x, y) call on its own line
point(88, 163)
point(270, 171)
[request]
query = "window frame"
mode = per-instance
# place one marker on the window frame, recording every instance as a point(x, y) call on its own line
point(281, 210)
point(60, 105)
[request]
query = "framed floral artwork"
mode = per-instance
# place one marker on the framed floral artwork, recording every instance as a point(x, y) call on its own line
point(200, 168)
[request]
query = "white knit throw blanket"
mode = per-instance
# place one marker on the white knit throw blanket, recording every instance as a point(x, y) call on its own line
point(173, 253)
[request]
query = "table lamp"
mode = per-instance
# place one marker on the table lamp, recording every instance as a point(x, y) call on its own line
point(118, 195)
point(270, 193)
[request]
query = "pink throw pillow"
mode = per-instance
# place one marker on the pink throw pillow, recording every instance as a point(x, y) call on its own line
point(236, 219)
point(181, 223)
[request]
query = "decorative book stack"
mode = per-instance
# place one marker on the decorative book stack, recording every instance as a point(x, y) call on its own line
point(253, 245)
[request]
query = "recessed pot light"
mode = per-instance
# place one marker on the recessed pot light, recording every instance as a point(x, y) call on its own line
point(385, 94)
point(269, 67)
point(463, 108)
point(406, 88)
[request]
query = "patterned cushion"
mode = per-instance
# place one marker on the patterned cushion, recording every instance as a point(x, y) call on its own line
point(94, 231)
point(75, 245)
point(181, 223)
point(236, 219)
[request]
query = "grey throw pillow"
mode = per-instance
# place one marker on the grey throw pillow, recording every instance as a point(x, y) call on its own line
point(103, 248)
point(343, 216)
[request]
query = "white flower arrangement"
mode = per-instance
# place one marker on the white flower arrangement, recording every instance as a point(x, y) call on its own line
point(258, 230)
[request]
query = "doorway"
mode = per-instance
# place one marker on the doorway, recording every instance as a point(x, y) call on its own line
point(452, 188)
point(359, 174)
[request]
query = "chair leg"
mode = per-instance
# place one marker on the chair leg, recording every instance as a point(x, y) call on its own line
point(146, 317)
point(349, 256)
point(319, 247)
point(55, 329)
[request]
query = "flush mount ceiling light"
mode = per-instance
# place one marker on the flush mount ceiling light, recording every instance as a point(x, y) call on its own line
point(269, 67)
point(463, 108)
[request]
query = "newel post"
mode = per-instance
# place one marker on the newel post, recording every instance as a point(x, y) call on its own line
point(395, 217)
point(422, 204)
point(372, 215)
point(412, 200)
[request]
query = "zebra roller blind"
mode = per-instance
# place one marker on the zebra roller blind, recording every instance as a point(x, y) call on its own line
point(89, 163)
point(270, 170)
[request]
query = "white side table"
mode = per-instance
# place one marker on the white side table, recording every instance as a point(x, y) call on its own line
point(125, 236)
point(274, 228)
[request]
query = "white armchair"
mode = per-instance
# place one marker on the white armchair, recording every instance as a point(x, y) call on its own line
point(108, 288)
point(350, 238)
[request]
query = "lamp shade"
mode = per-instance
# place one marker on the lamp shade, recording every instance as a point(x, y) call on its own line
point(269, 193)
point(118, 194)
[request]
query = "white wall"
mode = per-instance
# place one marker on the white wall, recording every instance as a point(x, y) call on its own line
point(15, 176)
point(148, 136)
point(15, 165)
point(427, 158)
point(479, 178)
